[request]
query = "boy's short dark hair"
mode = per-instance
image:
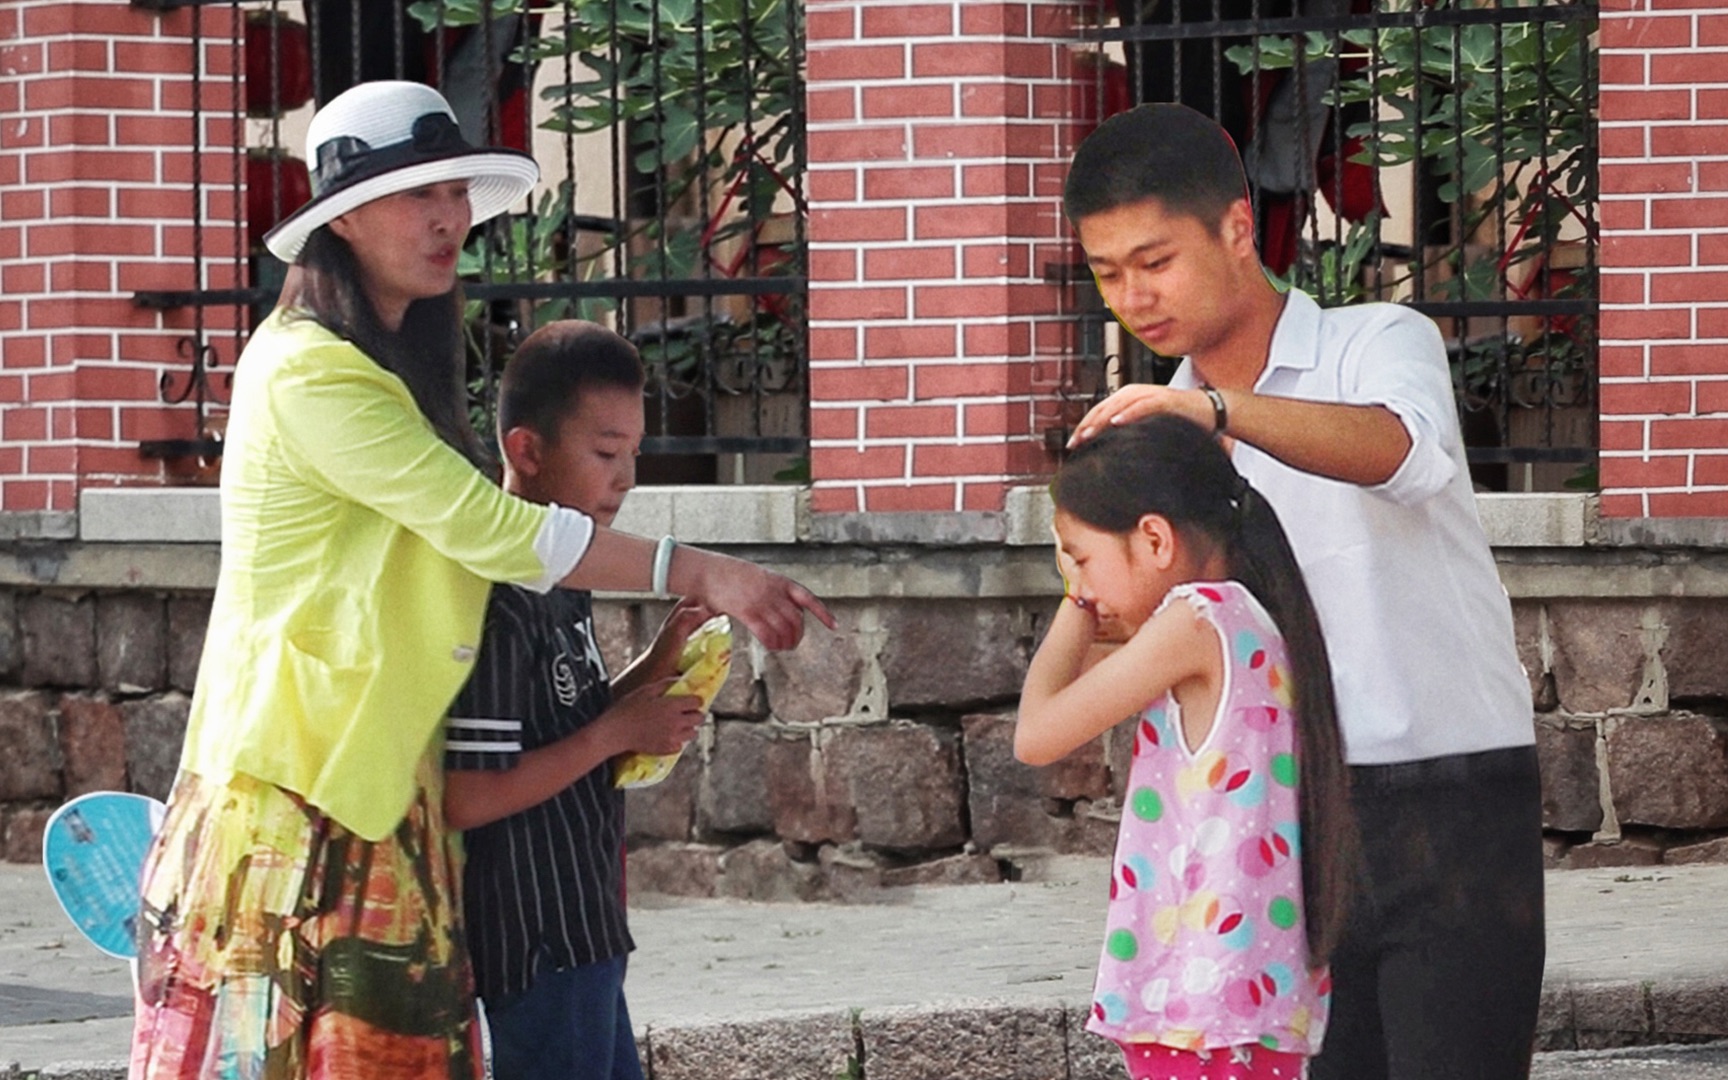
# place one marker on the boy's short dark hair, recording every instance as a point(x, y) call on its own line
point(1166, 152)
point(544, 381)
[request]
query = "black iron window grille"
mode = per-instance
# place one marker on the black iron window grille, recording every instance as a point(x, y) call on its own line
point(670, 135)
point(1436, 153)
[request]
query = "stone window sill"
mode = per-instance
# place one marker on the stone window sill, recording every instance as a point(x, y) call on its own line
point(1546, 545)
point(779, 514)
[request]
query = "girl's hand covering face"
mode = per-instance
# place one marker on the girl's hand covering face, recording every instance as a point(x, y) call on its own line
point(1070, 573)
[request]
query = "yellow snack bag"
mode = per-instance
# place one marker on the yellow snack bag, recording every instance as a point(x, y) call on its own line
point(703, 665)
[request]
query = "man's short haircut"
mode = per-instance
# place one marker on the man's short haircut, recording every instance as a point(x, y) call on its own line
point(543, 382)
point(1166, 152)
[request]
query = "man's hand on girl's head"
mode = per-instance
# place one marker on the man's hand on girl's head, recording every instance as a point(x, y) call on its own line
point(1138, 401)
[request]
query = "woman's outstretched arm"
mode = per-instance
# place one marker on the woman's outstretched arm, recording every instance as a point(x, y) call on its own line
point(771, 606)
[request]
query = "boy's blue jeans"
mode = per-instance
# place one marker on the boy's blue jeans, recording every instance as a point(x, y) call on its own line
point(570, 1025)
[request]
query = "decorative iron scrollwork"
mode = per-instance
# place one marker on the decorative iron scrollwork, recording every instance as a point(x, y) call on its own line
point(198, 389)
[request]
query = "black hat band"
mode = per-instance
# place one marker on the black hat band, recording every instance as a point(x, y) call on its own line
point(346, 160)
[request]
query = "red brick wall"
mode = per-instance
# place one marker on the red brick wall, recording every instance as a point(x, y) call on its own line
point(939, 136)
point(1664, 255)
point(96, 102)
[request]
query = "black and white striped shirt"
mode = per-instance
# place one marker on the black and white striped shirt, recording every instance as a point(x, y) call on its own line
point(545, 885)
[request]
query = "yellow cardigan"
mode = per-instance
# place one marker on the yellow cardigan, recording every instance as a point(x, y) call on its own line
point(357, 553)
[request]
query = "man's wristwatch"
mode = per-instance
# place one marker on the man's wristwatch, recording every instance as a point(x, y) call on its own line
point(1220, 415)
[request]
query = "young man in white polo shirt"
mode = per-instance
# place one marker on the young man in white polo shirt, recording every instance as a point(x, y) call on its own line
point(1344, 419)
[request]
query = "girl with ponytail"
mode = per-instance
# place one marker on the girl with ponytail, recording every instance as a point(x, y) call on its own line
point(1237, 849)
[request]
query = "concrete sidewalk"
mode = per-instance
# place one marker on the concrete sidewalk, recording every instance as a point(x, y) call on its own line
point(734, 988)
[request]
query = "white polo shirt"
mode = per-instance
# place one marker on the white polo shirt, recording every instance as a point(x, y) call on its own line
point(1417, 624)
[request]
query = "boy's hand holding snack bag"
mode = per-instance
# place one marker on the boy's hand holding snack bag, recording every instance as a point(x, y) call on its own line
point(703, 665)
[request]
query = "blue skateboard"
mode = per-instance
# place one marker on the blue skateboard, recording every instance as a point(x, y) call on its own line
point(93, 850)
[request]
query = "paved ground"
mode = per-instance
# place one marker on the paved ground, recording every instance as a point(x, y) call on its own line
point(1031, 942)
point(1646, 1063)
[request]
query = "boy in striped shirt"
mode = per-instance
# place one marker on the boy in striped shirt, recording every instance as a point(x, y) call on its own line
point(531, 737)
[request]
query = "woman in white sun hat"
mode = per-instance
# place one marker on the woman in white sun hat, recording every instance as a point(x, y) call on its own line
point(299, 914)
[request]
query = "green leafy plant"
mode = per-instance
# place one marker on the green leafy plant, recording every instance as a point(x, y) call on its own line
point(703, 92)
point(1495, 115)
point(1333, 271)
point(707, 91)
point(703, 99)
point(1496, 119)
point(530, 248)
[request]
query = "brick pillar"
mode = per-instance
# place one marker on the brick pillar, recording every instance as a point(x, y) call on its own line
point(1664, 257)
point(96, 169)
point(939, 137)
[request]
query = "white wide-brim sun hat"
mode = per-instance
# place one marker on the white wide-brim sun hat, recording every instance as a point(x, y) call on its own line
point(380, 138)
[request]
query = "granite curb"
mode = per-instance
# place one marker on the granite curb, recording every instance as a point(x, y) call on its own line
point(1019, 1040)
point(927, 982)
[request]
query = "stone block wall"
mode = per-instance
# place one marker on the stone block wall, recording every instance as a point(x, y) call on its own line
point(1632, 727)
point(799, 794)
point(94, 693)
point(882, 754)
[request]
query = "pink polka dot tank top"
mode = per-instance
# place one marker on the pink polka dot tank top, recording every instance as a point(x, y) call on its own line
point(1204, 944)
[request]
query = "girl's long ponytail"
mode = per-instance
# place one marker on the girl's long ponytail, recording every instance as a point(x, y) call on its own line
point(1260, 557)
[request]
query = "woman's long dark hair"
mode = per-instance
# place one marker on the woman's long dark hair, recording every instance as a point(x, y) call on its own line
point(1167, 466)
point(426, 353)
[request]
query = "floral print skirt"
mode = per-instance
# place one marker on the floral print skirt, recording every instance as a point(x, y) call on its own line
point(275, 944)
